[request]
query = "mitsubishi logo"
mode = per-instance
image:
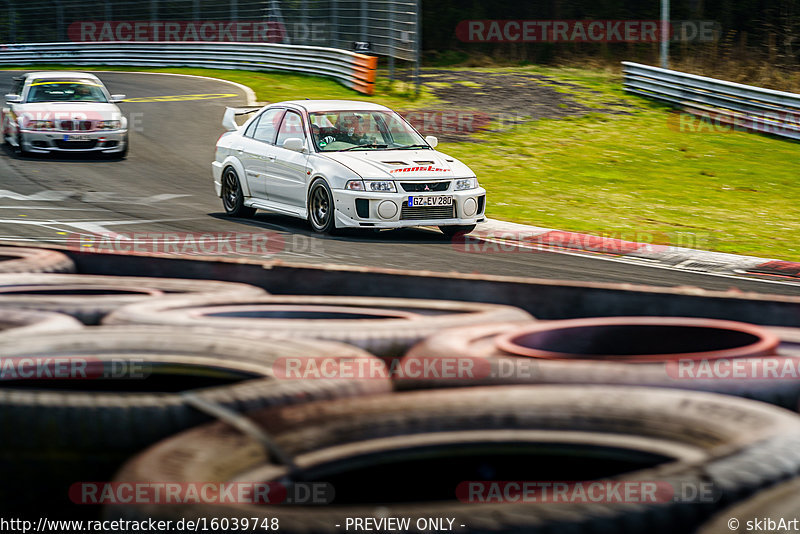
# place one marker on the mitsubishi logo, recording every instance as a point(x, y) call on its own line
point(427, 188)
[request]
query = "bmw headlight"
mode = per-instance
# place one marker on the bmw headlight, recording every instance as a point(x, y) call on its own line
point(466, 183)
point(383, 186)
point(109, 125)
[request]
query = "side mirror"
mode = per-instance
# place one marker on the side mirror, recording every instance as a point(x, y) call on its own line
point(13, 99)
point(432, 140)
point(295, 144)
point(117, 98)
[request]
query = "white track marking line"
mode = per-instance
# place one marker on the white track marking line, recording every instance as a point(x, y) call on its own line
point(56, 208)
point(249, 93)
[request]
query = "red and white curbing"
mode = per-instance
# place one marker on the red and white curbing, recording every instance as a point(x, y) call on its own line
point(534, 237)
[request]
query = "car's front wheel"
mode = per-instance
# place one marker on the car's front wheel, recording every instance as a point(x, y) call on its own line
point(454, 230)
point(124, 153)
point(232, 195)
point(21, 149)
point(320, 208)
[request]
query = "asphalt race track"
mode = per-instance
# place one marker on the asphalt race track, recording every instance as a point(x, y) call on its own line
point(165, 186)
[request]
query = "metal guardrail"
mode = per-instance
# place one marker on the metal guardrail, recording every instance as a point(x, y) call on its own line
point(356, 71)
point(721, 103)
point(390, 26)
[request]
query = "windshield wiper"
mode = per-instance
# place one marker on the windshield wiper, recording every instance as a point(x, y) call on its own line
point(410, 146)
point(373, 145)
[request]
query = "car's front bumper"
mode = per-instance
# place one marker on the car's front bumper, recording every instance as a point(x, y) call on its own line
point(44, 142)
point(216, 174)
point(360, 209)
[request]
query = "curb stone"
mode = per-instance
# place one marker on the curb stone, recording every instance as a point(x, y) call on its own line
point(666, 255)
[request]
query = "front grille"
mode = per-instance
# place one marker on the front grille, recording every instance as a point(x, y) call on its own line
point(76, 145)
point(427, 212)
point(75, 126)
point(419, 187)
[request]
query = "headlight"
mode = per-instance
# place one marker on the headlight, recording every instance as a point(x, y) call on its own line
point(466, 183)
point(41, 125)
point(109, 125)
point(380, 185)
point(355, 185)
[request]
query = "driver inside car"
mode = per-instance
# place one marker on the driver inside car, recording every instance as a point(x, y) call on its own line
point(350, 129)
point(83, 93)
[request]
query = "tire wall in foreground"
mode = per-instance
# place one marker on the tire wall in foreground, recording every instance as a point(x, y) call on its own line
point(544, 299)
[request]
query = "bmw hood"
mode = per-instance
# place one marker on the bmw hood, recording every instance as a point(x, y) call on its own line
point(68, 111)
point(405, 164)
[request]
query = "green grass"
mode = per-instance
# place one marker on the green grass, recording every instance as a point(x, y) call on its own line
point(611, 174)
point(734, 192)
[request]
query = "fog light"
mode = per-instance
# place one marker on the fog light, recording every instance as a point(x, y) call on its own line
point(470, 207)
point(387, 209)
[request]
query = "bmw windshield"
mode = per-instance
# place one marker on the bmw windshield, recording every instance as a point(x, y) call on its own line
point(336, 131)
point(65, 91)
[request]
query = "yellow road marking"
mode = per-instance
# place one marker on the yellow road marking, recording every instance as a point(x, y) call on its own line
point(72, 81)
point(180, 98)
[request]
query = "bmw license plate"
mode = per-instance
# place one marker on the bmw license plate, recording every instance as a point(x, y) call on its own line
point(430, 200)
point(72, 137)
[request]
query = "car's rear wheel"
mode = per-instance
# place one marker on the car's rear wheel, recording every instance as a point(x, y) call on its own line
point(232, 195)
point(453, 230)
point(321, 208)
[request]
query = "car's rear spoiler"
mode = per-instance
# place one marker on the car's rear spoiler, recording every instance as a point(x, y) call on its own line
point(229, 118)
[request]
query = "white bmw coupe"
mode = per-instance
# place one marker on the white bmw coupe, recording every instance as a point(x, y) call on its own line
point(55, 111)
point(342, 164)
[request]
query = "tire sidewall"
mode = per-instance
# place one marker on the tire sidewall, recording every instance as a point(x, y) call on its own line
point(330, 224)
point(236, 209)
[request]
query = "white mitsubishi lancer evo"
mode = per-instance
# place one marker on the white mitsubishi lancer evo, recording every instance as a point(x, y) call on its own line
point(342, 164)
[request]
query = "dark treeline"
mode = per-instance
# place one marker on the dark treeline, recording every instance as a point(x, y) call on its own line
point(754, 29)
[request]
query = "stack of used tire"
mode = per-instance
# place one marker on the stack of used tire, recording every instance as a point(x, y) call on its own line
point(441, 415)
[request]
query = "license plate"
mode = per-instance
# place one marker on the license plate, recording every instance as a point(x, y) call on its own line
point(68, 137)
point(432, 200)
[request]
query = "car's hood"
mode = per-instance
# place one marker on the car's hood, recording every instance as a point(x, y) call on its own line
point(69, 110)
point(405, 164)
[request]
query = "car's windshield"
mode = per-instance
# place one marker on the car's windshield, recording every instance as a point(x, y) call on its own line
point(334, 131)
point(65, 90)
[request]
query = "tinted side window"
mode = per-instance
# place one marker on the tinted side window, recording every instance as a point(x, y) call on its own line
point(292, 126)
point(16, 87)
point(251, 128)
point(268, 125)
